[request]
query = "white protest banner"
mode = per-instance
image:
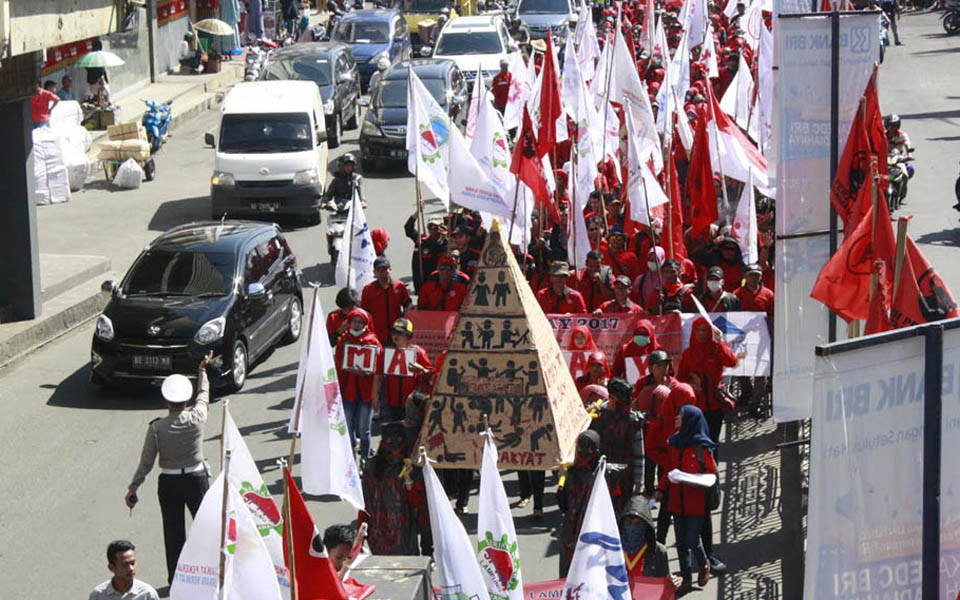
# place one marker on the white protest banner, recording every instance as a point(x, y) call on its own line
point(397, 361)
point(802, 149)
point(362, 359)
point(866, 476)
point(743, 332)
point(577, 361)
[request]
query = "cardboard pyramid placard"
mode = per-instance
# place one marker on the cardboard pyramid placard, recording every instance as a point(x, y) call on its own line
point(503, 361)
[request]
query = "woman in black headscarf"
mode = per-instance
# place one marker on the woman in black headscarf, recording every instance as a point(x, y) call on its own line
point(690, 451)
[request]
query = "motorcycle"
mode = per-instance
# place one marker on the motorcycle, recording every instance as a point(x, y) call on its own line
point(257, 55)
point(156, 120)
point(951, 18)
point(336, 226)
point(900, 171)
point(956, 192)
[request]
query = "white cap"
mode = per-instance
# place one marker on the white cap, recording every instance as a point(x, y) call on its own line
point(177, 389)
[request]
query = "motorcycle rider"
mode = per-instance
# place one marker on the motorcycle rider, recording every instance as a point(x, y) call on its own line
point(519, 32)
point(345, 180)
point(897, 138)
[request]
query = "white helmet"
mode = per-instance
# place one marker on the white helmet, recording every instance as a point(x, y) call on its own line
point(383, 64)
point(176, 389)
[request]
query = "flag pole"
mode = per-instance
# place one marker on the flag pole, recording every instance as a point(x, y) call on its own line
point(572, 221)
point(723, 176)
point(223, 429)
point(353, 216)
point(606, 109)
point(901, 249)
point(288, 532)
point(670, 195)
point(298, 405)
point(513, 214)
point(223, 524)
point(420, 222)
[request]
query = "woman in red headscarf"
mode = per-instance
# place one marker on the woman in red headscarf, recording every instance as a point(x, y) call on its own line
point(581, 345)
point(356, 384)
point(641, 344)
point(707, 355)
point(597, 371)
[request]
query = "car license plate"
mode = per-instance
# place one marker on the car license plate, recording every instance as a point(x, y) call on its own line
point(398, 154)
point(267, 206)
point(156, 363)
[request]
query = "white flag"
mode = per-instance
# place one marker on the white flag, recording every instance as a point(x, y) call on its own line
point(245, 478)
point(470, 186)
point(752, 23)
point(428, 139)
point(327, 463)
point(588, 46)
point(626, 88)
point(521, 86)
point(580, 183)
point(710, 54)
point(579, 104)
point(249, 572)
point(491, 148)
point(453, 552)
point(737, 99)
point(479, 90)
point(355, 261)
point(696, 21)
point(761, 119)
point(643, 189)
point(497, 550)
point(597, 570)
point(745, 224)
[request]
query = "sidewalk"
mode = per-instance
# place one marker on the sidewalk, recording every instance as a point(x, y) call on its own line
point(69, 282)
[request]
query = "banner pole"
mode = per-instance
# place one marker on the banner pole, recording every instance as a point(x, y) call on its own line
point(572, 220)
point(834, 142)
point(288, 532)
point(669, 181)
point(223, 428)
point(223, 523)
point(353, 216)
point(932, 409)
point(901, 251)
point(298, 404)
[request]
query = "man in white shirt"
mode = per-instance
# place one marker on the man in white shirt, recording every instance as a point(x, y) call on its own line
point(122, 562)
point(187, 54)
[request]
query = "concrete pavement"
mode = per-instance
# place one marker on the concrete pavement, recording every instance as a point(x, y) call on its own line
point(70, 450)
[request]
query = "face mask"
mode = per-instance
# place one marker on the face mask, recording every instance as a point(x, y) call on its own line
point(713, 286)
point(653, 266)
point(633, 536)
point(641, 340)
point(357, 332)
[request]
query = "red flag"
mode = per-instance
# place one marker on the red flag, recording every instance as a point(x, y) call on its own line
point(700, 186)
point(551, 108)
point(526, 162)
point(316, 577)
point(878, 318)
point(852, 172)
point(922, 296)
point(844, 282)
point(873, 124)
point(678, 246)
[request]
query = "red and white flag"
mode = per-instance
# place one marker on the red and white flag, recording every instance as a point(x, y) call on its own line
point(745, 225)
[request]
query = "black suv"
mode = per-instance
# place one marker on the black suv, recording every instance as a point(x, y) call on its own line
point(231, 287)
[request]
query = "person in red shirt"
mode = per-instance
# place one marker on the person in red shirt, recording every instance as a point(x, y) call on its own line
point(621, 260)
point(347, 300)
point(500, 87)
point(558, 298)
point(650, 398)
point(691, 452)
point(597, 371)
point(356, 385)
point(397, 387)
point(753, 295)
point(385, 299)
point(594, 281)
point(707, 355)
point(579, 348)
point(445, 288)
point(621, 302)
point(643, 342)
point(41, 103)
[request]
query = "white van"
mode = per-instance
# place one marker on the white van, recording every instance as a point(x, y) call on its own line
point(271, 151)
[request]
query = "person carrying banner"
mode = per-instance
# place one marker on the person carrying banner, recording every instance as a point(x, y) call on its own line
point(621, 302)
point(177, 439)
point(691, 451)
point(445, 288)
point(385, 299)
point(621, 440)
point(347, 300)
point(393, 494)
point(399, 376)
point(355, 372)
point(707, 355)
point(558, 298)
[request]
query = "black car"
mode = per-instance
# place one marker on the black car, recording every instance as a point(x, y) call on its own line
point(230, 287)
point(332, 67)
point(383, 136)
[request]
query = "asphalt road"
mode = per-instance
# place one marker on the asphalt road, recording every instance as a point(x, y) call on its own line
point(70, 450)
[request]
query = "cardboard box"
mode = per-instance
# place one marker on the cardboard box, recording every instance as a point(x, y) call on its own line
point(126, 131)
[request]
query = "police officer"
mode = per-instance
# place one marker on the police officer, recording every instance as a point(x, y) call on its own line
point(178, 439)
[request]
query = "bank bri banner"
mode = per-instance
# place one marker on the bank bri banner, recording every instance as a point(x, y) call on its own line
point(866, 473)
